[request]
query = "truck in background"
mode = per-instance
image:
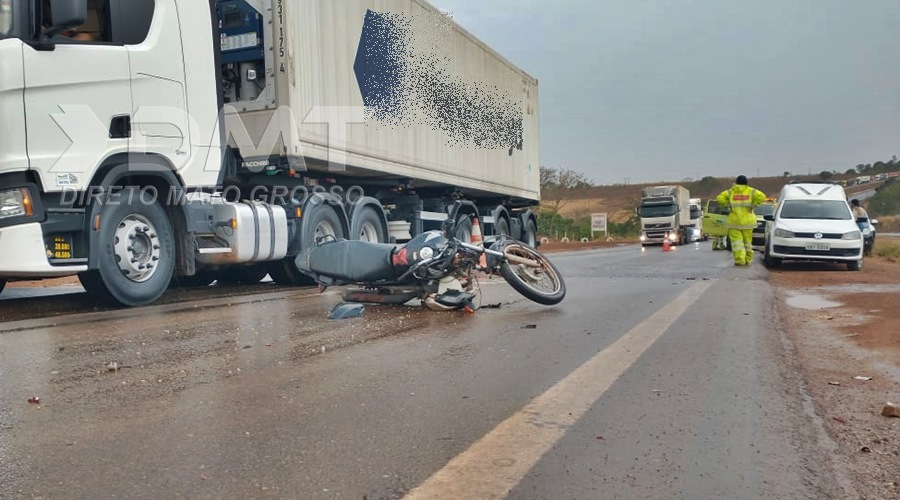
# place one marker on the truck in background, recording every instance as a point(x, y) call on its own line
point(188, 141)
point(696, 229)
point(665, 215)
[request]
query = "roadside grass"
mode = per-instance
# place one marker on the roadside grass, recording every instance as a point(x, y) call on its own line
point(888, 249)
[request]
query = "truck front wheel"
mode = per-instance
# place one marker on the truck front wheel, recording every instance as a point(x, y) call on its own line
point(135, 254)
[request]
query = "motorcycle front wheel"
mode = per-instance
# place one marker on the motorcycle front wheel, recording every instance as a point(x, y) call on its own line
point(540, 282)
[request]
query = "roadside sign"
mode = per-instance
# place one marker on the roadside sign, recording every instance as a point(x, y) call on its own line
point(598, 223)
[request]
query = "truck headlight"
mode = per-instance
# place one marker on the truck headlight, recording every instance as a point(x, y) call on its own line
point(783, 233)
point(16, 203)
point(852, 235)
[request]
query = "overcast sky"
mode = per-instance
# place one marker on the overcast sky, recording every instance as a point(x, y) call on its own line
point(650, 90)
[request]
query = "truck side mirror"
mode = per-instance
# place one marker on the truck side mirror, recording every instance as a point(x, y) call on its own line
point(874, 222)
point(770, 218)
point(67, 14)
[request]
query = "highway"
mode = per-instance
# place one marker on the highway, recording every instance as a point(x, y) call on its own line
point(662, 375)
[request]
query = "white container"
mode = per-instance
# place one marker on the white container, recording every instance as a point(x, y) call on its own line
point(313, 67)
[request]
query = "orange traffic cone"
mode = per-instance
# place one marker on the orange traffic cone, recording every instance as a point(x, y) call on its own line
point(666, 246)
point(478, 239)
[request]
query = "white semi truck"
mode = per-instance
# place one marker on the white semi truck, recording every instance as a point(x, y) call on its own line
point(152, 142)
point(665, 215)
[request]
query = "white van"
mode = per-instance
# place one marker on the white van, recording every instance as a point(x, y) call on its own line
point(813, 221)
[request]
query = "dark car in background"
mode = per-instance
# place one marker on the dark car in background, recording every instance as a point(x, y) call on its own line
point(759, 232)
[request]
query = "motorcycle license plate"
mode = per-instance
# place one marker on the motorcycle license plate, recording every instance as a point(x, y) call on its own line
point(822, 247)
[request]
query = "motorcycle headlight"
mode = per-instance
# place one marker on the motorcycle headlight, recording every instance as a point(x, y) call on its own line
point(852, 235)
point(16, 203)
point(783, 233)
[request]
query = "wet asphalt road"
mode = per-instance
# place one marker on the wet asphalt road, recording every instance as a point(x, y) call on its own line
point(260, 396)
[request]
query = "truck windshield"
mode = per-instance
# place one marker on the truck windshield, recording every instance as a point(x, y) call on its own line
point(657, 211)
point(816, 209)
point(696, 213)
point(6, 18)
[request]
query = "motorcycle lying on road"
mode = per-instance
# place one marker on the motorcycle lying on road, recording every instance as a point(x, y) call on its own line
point(435, 267)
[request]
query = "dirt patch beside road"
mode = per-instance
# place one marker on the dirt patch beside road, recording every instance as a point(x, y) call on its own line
point(847, 325)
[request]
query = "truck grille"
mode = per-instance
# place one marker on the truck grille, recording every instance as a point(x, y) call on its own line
point(662, 226)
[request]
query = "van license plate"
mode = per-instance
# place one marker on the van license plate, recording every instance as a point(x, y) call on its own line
point(823, 247)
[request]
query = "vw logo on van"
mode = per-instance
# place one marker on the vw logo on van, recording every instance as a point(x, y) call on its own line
point(818, 236)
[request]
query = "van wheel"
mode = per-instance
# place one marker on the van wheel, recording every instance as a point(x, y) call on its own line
point(855, 265)
point(771, 262)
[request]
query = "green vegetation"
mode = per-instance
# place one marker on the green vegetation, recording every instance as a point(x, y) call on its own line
point(556, 226)
point(886, 201)
point(888, 248)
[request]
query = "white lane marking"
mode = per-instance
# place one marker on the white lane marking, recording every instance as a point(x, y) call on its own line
point(497, 462)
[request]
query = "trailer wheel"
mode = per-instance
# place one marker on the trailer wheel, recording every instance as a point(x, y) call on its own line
point(368, 226)
point(136, 257)
point(529, 237)
point(501, 228)
point(464, 229)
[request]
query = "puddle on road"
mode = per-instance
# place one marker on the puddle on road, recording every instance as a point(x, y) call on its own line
point(810, 302)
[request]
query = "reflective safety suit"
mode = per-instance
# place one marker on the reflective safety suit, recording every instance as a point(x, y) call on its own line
point(741, 200)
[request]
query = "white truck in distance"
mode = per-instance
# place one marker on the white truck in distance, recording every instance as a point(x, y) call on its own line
point(152, 142)
point(696, 229)
point(665, 215)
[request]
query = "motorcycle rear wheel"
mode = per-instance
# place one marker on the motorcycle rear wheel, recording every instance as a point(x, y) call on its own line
point(543, 284)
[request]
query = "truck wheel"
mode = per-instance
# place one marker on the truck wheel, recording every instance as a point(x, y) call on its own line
point(368, 226)
point(529, 236)
point(501, 228)
point(322, 220)
point(135, 257)
point(464, 229)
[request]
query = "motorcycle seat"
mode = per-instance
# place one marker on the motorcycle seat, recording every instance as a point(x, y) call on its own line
point(353, 261)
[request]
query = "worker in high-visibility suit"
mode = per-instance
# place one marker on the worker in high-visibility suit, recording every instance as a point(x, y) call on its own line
point(741, 199)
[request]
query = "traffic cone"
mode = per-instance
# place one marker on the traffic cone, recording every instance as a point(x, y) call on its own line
point(478, 239)
point(666, 246)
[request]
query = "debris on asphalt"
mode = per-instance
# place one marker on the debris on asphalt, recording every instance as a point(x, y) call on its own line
point(865, 449)
point(839, 420)
point(34, 400)
point(834, 383)
point(864, 379)
point(112, 367)
point(492, 306)
point(529, 327)
point(346, 310)
point(891, 410)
